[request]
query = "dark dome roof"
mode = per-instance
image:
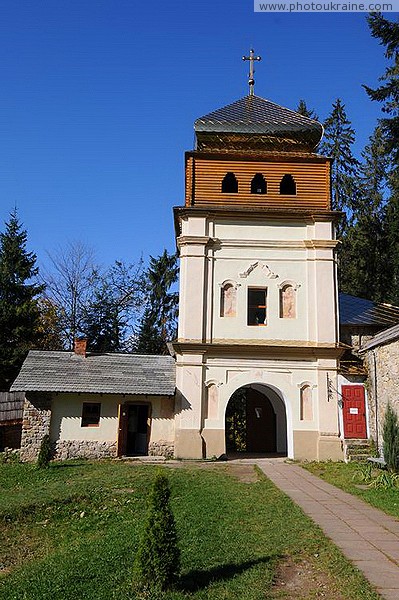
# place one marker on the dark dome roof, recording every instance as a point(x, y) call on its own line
point(259, 124)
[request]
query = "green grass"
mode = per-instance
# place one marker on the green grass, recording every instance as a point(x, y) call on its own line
point(348, 477)
point(71, 532)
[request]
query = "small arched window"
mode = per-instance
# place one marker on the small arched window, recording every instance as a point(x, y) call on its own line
point(228, 301)
point(288, 186)
point(258, 184)
point(229, 184)
point(306, 407)
point(287, 302)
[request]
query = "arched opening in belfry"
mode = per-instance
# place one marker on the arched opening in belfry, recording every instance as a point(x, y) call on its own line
point(229, 184)
point(288, 186)
point(258, 184)
point(256, 422)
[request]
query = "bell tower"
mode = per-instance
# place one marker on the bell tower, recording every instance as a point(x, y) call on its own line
point(258, 296)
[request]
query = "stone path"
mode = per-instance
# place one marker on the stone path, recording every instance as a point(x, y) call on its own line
point(367, 536)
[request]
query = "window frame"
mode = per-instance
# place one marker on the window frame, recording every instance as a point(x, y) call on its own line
point(90, 418)
point(254, 307)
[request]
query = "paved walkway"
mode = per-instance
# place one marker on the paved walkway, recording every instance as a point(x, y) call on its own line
point(367, 536)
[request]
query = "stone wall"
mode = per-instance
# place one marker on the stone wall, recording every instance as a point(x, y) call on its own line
point(383, 385)
point(35, 424)
point(84, 449)
point(161, 448)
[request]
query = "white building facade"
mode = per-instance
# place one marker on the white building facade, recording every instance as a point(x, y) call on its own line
point(258, 296)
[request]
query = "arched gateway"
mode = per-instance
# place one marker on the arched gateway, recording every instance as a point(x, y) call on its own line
point(255, 421)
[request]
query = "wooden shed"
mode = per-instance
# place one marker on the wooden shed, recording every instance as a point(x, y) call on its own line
point(11, 410)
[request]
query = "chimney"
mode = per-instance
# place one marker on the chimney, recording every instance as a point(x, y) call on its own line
point(80, 346)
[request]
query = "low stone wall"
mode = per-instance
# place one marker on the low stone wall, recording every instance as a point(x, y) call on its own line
point(35, 425)
point(84, 449)
point(161, 448)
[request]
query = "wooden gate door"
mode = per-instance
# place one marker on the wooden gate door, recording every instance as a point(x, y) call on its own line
point(261, 423)
point(354, 411)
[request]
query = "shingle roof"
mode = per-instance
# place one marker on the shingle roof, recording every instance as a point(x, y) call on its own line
point(45, 371)
point(384, 337)
point(255, 115)
point(358, 311)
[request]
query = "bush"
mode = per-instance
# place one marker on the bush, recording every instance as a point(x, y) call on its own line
point(390, 434)
point(44, 453)
point(157, 562)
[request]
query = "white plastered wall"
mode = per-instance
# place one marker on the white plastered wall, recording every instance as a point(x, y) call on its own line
point(259, 254)
point(67, 412)
point(256, 253)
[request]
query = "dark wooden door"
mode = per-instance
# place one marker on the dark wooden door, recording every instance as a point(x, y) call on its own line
point(137, 429)
point(261, 423)
point(354, 411)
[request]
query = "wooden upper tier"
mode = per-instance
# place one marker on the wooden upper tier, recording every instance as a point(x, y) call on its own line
point(311, 175)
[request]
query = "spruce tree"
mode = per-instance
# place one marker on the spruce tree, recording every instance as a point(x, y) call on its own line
point(339, 137)
point(390, 436)
point(388, 92)
point(159, 322)
point(19, 312)
point(391, 231)
point(157, 562)
point(45, 453)
point(303, 110)
point(102, 322)
point(363, 255)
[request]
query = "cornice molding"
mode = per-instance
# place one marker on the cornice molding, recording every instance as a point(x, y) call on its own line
point(317, 244)
point(278, 348)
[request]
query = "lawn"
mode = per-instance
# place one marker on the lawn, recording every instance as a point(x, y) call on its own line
point(349, 477)
point(71, 531)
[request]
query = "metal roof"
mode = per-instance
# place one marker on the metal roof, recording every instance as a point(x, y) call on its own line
point(49, 371)
point(384, 337)
point(261, 117)
point(358, 311)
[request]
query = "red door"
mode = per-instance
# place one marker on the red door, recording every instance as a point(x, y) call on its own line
point(354, 411)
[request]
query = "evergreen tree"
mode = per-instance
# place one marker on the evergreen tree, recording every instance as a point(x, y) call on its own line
point(303, 110)
point(45, 453)
point(159, 322)
point(339, 137)
point(19, 313)
point(103, 323)
point(363, 256)
point(390, 435)
point(157, 563)
point(391, 230)
point(388, 93)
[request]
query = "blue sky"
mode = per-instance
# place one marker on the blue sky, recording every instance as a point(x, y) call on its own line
point(98, 100)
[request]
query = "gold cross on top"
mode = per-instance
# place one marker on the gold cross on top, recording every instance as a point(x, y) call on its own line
point(251, 80)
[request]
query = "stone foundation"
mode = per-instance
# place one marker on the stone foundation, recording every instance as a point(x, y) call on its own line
point(161, 448)
point(84, 449)
point(35, 425)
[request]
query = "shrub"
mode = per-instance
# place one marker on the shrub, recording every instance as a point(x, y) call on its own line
point(44, 453)
point(157, 562)
point(390, 434)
